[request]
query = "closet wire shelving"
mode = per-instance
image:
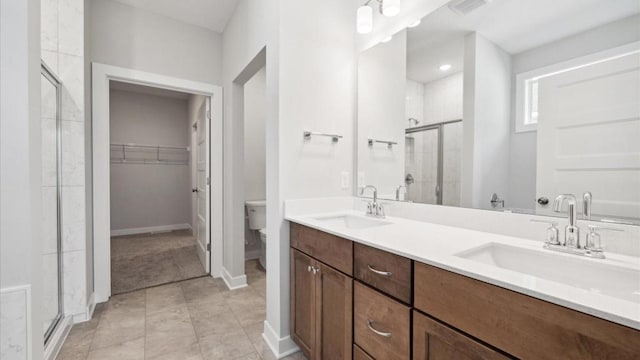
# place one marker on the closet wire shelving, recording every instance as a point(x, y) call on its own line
point(149, 154)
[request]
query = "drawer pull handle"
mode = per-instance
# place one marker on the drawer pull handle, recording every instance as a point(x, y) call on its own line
point(377, 332)
point(379, 272)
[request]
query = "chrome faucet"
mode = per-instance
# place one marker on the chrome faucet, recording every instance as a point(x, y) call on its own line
point(373, 208)
point(571, 231)
point(586, 205)
point(398, 191)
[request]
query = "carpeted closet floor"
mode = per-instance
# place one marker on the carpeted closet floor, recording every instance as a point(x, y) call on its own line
point(146, 260)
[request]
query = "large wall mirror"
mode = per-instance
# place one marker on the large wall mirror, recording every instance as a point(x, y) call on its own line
point(506, 105)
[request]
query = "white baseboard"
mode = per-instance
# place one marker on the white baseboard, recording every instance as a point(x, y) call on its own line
point(150, 229)
point(280, 347)
point(234, 283)
point(252, 254)
point(57, 338)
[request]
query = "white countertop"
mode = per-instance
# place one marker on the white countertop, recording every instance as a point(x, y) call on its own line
point(438, 245)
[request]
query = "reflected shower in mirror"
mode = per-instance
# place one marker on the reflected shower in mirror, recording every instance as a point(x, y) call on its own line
point(506, 106)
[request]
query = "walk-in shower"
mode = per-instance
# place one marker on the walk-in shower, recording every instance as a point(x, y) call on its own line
point(51, 201)
point(432, 163)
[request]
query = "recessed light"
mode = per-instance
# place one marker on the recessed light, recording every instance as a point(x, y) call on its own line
point(387, 39)
point(445, 67)
point(414, 24)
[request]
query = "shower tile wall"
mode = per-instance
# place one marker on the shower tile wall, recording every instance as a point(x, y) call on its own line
point(62, 34)
point(434, 102)
point(443, 99)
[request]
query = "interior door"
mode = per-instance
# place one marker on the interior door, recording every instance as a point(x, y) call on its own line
point(588, 131)
point(202, 185)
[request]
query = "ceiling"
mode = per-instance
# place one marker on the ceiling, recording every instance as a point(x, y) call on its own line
point(147, 90)
point(515, 26)
point(210, 14)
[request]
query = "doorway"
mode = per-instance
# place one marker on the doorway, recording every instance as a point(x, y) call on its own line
point(156, 157)
point(155, 238)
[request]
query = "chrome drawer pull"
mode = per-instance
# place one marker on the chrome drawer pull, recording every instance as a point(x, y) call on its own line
point(370, 326)
point(379, 272)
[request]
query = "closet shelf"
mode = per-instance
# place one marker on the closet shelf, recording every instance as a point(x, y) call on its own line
point(149, 154)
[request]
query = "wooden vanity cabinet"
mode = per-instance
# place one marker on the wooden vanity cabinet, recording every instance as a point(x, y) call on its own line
point(321, 300)
point(435, 340)
point(335, 317)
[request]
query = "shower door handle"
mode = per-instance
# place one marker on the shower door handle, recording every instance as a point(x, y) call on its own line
point(437, 190)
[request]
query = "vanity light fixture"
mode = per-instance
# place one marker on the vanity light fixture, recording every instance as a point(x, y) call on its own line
point(414, 24)
point(445, 67)
point(364, 15)
point(365, 19)
point(390, 7)
point(387, 39)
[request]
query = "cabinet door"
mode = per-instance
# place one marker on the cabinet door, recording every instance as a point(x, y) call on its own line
point(435, 341)
point(335, 310)
point(303, 302)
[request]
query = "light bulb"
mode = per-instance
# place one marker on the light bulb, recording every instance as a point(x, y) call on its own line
point(364, 19)
point(414, 24)
point(387, 39)
point(445, 67)
point(390, 7)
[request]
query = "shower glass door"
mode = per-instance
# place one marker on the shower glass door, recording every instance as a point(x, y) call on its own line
point(51, 181)
point(433, 160)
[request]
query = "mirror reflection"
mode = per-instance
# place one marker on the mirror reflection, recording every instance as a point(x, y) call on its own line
point(505, 106)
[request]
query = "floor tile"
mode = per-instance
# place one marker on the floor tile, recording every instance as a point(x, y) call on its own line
point(212, 318)
point(119, 328)
point(169, 330)
point(189, 353)
point(131, 350)
point(204, 289)
point(162, 297)
point(230, 345)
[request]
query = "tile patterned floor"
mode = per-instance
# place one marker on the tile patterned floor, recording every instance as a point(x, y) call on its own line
point(196, 319)
point(145, 260)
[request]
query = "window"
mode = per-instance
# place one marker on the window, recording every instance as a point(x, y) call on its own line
point(528, 83)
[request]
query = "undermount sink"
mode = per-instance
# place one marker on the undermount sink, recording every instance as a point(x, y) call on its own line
point(618, 282)
point(352, 221)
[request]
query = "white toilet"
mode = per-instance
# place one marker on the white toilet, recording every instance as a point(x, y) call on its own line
point(257, 210)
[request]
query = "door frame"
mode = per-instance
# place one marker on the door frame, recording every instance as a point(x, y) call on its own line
point(102, 74)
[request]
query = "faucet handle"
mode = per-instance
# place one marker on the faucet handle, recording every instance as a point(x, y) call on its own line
point(553, 235)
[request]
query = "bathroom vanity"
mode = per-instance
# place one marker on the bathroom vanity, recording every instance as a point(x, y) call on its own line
point(370, 295)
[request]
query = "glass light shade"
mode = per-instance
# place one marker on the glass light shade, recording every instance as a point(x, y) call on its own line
point(390, 7)
point(365, 19)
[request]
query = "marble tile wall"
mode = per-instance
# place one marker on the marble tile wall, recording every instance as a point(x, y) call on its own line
point(14, 323)
point(62, 34)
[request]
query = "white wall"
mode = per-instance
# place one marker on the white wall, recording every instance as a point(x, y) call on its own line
point(309, 86)
point(129, 37)
point(254, 152)
point(522, 171)
point(254, 137)
point(20, 172)
point(487, 122)
point(381, 114)
point(146, 195)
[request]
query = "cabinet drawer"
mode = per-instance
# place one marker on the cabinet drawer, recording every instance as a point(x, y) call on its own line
point(382, 325)
point(434, 340)
point(331, 250)
point(518, 324)
point(384, 271)
point(359, 354)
